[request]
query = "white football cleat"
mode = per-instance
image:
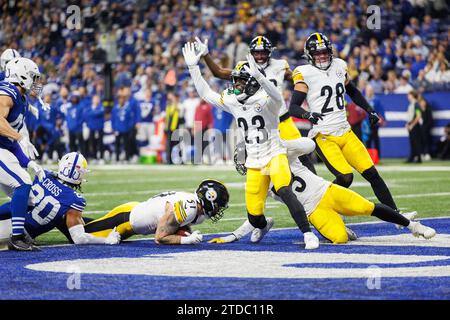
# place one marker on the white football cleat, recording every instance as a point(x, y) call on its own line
point(418, 230)
point(351, 234)
point(311, 241)
point(408, 215)
point(258, 234)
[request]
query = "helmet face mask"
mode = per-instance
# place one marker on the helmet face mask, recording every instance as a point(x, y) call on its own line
point(25, 73)
point(244, 85)
point(240, 156)
point(214, 197)
point(261, 49)
point(319, 51)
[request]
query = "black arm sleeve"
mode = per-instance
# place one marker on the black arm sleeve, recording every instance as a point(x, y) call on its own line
point(357, 97)
point(295, 109)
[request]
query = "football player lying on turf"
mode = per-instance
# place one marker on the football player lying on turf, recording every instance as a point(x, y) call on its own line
point(55, 203)
point(324, 202)
point(168, 215)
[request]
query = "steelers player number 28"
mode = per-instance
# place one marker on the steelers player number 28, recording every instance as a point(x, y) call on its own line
point(256, 121)
point(328, 92)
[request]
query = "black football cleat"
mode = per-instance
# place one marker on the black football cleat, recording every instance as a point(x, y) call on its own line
point(20, 243)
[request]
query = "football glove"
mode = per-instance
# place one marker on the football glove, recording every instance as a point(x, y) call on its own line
point(373, 118)
point(190, 57)
point(113, 237)
point(194, 238)
point(253, 69)
point(28, 148)
point(227, 239)
point(314, 117)
point(37, 169)
point(201, 47)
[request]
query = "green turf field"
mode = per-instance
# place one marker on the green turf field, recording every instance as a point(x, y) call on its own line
point(425, 188)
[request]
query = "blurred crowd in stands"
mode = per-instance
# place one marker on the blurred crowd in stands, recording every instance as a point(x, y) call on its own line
point(152, 93)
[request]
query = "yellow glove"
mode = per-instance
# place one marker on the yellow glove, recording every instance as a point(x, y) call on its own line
point(227, 239)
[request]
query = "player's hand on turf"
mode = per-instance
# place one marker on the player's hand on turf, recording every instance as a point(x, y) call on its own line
point(314, 117)
point(28, 148)
point(190, 57)
point(373, 118)
point(113, 237)
point(226, 239)
point(37, 169)
point(194, 238)
point(201, 47)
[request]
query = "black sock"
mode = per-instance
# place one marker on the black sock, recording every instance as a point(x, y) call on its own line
point(259, 222)
point(306, 161)
point(388, 214)
point(295, 208)
point(379, 187)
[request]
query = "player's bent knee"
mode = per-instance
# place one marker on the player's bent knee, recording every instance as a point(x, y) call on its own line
point(344, 180)
point(340, 237)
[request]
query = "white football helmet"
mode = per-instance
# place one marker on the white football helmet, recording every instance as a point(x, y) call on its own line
point(7, 56)
point(25, 73)
point(72, 168)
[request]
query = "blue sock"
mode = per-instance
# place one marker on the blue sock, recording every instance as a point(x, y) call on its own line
point(19, 205)
point(5, 211)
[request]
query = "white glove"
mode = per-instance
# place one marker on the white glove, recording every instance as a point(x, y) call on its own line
point(190, 57)
point(201, 47)
point(28, 148)
point(45, 106)
point(226, 239)
point(37, 169)
point(253, 70)
point(194, 238)
point(34, 111)
point(113, 237)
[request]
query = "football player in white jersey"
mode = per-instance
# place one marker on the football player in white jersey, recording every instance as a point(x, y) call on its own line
point(254, 101)
point(276, 70)
point(168, 215)
point(323, 83)
point(324, 203)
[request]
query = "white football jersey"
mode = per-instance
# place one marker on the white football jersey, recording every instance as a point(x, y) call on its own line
point(307, 187)
point(257, 120)
point(326, 95)
point(145, 216)
point(275, 72)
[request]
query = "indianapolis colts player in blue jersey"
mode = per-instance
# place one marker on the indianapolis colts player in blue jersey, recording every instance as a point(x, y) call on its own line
point(56, 203)
point(16, 150)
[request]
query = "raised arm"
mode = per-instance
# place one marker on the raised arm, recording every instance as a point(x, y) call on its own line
point(202, 87)
point(359, 99)
point(267, 85)
point(217, 71)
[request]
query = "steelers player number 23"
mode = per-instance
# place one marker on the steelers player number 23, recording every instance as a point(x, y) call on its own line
point(256, 121)
point(328, 91)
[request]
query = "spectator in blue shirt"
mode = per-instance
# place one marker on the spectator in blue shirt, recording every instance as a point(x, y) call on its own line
point(222, 122)
point(74, 120)
point(95, 120)
point(146, 127)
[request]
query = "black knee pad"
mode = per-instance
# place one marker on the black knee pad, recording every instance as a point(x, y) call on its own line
point(257, 221)
point(344, 180)
point(371, 174)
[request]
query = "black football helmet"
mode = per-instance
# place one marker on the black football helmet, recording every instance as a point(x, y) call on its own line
point(240, 155)
point(244, 85)
point(316, 45)
point(214, 197)
point(261, 49)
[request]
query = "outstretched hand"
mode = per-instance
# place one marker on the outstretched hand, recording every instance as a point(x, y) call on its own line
point(190, 57)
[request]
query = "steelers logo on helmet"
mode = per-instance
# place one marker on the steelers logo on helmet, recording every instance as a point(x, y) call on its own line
point(261, 49)
point(244, 85)
point(214, 197)
point(319, 51)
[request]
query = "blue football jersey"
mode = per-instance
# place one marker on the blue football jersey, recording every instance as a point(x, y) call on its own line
point(52, 200)
point(16, 114)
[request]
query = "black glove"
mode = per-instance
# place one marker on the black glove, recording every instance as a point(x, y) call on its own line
point(373, 118)
point(314, 117)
